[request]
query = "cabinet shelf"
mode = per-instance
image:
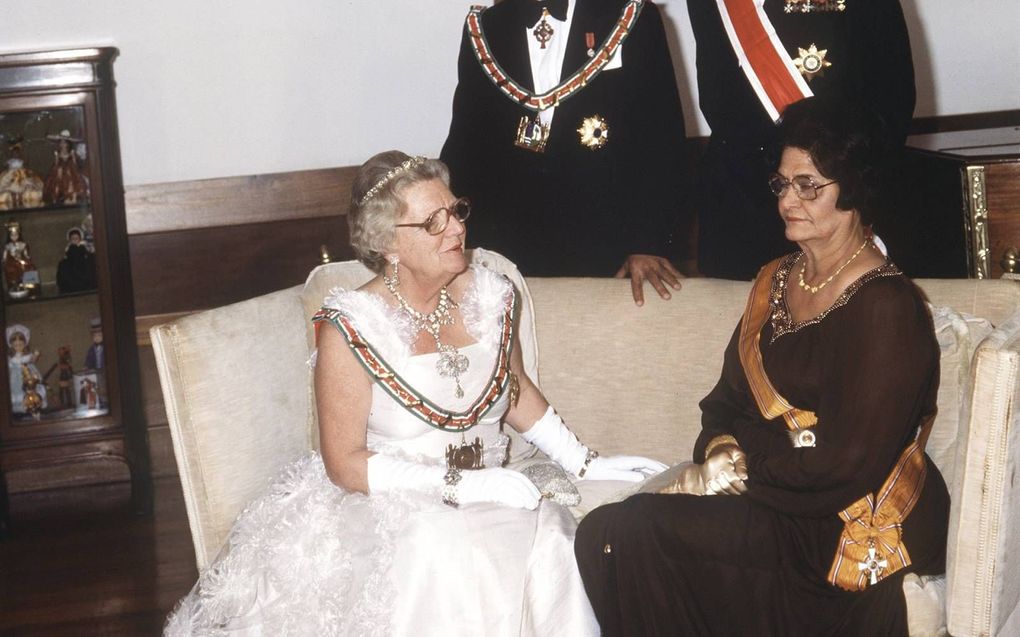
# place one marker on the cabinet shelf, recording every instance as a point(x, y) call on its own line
point(9, 212)
point(49, 293)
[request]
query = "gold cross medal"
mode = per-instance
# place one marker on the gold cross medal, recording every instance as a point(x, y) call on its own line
point(811, 62)
point(532, 134)
point(594, 132)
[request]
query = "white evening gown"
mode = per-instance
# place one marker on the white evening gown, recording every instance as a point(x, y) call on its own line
point(308, 558)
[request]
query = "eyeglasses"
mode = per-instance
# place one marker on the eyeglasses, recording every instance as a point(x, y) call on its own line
point(438, 220)
point(804, 186)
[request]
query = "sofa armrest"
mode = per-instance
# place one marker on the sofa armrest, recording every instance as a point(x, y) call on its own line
point(238, 400)
point(984, 524)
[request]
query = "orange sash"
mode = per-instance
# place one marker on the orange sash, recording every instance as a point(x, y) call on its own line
point(761, 55)
point(871, 545)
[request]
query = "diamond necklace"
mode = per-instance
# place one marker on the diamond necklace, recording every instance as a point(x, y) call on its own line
point(451, 363)
point(814, 289)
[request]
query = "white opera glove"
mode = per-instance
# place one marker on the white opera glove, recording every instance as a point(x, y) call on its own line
point(556, 441)
point(386, 473)
point(502, 486)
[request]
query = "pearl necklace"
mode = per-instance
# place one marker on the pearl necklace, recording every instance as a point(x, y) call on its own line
point(814, 289)
point(451, 363)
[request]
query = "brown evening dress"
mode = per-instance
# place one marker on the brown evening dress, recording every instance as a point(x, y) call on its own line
point(757, 564)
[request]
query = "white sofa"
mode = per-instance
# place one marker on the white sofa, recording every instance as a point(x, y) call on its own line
point(236, 384)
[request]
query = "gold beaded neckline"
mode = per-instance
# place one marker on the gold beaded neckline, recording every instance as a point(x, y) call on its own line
point(815, 289)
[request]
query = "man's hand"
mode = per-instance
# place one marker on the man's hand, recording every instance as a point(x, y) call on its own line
point(656, 270)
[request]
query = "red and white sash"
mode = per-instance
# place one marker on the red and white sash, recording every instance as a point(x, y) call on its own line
point(761, 55)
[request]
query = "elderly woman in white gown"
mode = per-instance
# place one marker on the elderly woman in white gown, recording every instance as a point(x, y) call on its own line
point(409, 522)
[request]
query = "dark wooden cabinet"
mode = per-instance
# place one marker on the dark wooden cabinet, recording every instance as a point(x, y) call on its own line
point(961, 193)
point(70, 411)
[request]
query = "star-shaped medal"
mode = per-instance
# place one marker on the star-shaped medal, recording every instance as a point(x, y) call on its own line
point(811, 62)
point(594, 132)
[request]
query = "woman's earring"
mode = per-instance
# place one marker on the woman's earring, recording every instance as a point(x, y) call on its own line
point(394, 279)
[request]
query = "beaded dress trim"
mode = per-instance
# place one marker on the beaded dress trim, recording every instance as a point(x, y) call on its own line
point(782, 321)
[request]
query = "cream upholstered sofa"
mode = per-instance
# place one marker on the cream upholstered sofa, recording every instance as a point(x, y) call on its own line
point(236, 383)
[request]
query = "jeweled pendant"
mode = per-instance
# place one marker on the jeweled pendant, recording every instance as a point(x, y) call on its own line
point(532, 134)
point(543, 32)
point(466, 456)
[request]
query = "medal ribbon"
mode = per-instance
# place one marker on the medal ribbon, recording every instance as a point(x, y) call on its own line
point(512, 89)
point(761, 55)
point(431, 413)
point(758, 310)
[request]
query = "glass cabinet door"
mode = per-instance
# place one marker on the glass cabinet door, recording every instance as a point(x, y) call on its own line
point(56, 359)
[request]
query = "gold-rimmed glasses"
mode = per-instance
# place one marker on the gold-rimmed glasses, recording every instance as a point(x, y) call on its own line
point(803, 186)
point(437, 221)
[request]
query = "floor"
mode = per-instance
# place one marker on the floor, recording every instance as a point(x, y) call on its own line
point(79, 562)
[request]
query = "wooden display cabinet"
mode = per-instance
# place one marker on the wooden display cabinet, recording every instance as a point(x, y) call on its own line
point(70, 408)
point(963, 192)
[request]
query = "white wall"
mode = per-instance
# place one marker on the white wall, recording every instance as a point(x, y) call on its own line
point(212, 88)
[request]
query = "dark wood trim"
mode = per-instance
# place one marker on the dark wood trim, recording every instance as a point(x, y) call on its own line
point(233, 201)
point(964, 121)
point(201, 268)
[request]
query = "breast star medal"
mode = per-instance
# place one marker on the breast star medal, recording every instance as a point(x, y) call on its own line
point(542, 31)
point(811, 62)
point(594, 132)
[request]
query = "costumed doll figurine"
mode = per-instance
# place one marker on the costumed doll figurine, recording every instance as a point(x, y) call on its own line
point(76, 272)
point(95, 357)
point(65, 376)
point(28, 394)
point(20, 187)
point(17, 261)
point(65, 184)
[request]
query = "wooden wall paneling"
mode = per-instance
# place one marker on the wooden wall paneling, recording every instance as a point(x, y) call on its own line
point(234, 201)
point(194, 269)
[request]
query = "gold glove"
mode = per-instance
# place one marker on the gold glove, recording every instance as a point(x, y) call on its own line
point(686, 478)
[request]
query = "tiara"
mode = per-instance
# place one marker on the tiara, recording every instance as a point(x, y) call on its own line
point(407, 164)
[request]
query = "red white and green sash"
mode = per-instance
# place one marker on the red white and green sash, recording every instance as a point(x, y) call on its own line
point(761, 55)
point(431, 413)
point(512, 89)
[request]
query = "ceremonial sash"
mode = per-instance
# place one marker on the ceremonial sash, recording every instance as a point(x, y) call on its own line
point(764, 60)
point(512, 89)
point(432, 414)
point(758, 310)
point(871, 544)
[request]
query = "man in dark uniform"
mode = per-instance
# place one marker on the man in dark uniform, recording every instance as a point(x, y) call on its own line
point(567, 135)
point(857, 48)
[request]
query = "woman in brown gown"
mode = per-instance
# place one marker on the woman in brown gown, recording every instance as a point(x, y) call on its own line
point(812, 496)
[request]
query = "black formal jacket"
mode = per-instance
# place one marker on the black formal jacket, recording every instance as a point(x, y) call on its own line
point(570, 210)
point(869, 48)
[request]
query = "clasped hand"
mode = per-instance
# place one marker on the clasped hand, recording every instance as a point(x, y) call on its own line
point(722, 472)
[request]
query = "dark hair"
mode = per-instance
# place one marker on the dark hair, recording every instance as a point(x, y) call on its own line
point(847, 142)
